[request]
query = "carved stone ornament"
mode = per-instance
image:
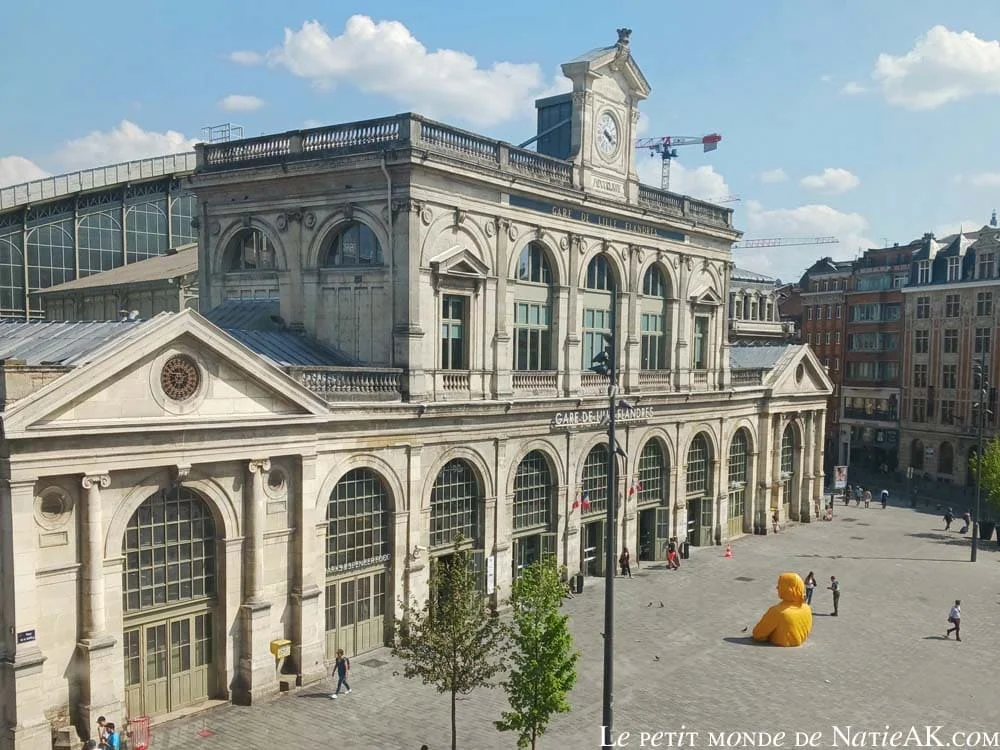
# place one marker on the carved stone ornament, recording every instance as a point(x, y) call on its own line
point(564, 243)
point(348, 211)
point(512, 232)
point(624, 253)
point(490, 227)
point(96, 480)
point(181, 472)
point(539, 232)
point(215, 228)
point(460, 216)
point(281, 222)
point(640, 254)
point(689, 262)
point(180, 377)
point(309, 220)
point(706, 264)
point(582, 245)
point(426, 216)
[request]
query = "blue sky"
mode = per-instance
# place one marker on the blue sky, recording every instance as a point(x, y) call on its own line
point(891, 97)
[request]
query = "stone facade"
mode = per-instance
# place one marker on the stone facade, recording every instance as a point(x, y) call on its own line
point(222, 518)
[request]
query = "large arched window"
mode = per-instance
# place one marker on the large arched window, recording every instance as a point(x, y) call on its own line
point(594, 493)
point(100, 243)
point(533, 310)
point(358, 532)
point(652, 475)
point(737, 476)
point(183, 210)
point(534, 493)
point(352, 244)
point(787, 453)
point(50, 255)
point(917, 454)
point(596, 304)
point(654, 323)
point(145, 231)
point(169, 551)
point(249, 250)
point(11, 275)
point(456, 505)
point(698, 461)
point(946, 458)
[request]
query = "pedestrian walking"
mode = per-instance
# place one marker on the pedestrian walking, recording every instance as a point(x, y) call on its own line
point(966, 522)
point(848, 494)
point(955, 618)
point(868, 498)
point(885, 499)
point(774, 521)
point(835, 588)
point(948, 518)
point(624, 563)
point(810, 587)
point(673, 557)
point(342, 670)
point(857, 496)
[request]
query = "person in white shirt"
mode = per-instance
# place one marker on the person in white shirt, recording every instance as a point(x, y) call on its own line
point(955, 618)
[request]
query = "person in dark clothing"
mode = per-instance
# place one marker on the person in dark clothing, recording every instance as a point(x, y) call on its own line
point(342, 669)
point(948, 518)
point(835, 588)
point(624, 562)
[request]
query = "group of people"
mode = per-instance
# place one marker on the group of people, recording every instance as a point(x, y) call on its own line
point(861, 495)
point(834, 586)
point(107, 736)
point(949, 517)
point(673, 558)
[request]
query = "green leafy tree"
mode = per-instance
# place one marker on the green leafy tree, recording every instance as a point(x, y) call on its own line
point(990, 480)
point(543, 660)
point(454, 640)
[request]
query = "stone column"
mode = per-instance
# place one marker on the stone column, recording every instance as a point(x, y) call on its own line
point(23, 700)
point(819, 477)
point(502, 355)
point(96, 650)
point(720, 491)
point(806, 481)
point(751, 494)
point(307, 595)
point(258, 670)
point(776, 485)
point(417, 584)
point(632, 352)
point(682, 332)
point(573, 324)
point(501, 540)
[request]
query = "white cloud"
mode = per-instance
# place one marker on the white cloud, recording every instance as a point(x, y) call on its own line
point(853, 88)
point(968, 225)
point(814, 220)
point(642, 127)
point(241, 103)
point(385, 58)
point(16, 169)
point(698, 182)
point(826, 78)
point(943, 66)
point(771, 176)
point(125, 142)
point(246, 57)
point(831, 180)
point(985, 179)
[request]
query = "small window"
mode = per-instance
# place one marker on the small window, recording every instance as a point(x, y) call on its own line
point(700, 342)
point(952, 306)
point(954, 269)
point(838, 312)
point(533, 265)
point(923, 307)
point(453, 350)
point(599, 275)
point(984, 304)
point(249, 250)
point(354, 244)
point(653, 285)
point(924, 272)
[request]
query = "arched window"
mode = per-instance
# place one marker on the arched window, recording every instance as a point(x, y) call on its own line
point(183, 210)
point(353, 244)
point(456, 505)
point(249, 250)
point(100, 243)
point(698, 475)
point(737, 481)
point(50, 255)
point(917, 454)
point(145, 231)
point(594, 492)
point(534, 493)
point(169, 551)
point(655, 330)
point(533, 310)
point(946, 459)
point(358, 532)
point(11, 275)
point(653, 473)
point(787, 453)
point(596, 304)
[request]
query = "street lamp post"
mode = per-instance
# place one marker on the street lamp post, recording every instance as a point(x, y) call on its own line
point(605, 363)
point(982, 382)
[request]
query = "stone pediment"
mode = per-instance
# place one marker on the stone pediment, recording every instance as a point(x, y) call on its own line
point(182, 371)
point(800, 374)
point(459, 261)
point(615, 60)
point(707, 297)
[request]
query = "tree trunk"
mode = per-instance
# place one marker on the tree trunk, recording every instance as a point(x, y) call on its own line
point(534, 738)
point(454, 731)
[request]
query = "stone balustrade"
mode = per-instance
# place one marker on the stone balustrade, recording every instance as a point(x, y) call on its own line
point(351, 383)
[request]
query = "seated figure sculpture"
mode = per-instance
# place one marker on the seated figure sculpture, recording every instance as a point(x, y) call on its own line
point(788, 622)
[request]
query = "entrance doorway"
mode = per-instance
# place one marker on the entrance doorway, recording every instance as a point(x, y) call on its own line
point(654, 533)
point(169, 664)
point(700, 525)
point(355, 613)
point(592, 548)
point(531, 548)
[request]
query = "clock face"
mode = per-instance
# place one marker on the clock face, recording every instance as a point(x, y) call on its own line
point(607, 134)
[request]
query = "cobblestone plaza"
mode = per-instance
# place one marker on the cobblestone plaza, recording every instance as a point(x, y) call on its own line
point(883, 661)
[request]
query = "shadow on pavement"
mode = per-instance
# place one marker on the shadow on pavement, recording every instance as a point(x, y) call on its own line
point(947, 538)
point(873, 557)
point(325, 696)
point(745, 640)
point(936, 638)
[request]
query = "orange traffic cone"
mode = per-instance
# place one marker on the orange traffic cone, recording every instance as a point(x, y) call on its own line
point(729, 551)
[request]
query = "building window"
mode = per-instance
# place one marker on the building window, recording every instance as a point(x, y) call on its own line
point(984, 304)
point(652, 472)
point(838, 312)
point(947, 412)
point(828, 338)
point(534, 493)
point(697, 482)
point(456, 505)
point(453, 348)
point(11, 275)
point(50, 255)
point(951, 341)
point(532, 337)
point(99, 240)
point(249, 250)
point(653, 321)
point(737, 307)
point(919, 412)
point(923, 308)
point(924, 272)
point(836, 363)
point(358, 532)
point(596, 325)
point(738, 475)
point(898, 281)
point(700, 342)
point(983, 338)
point(599, 275)
point(920, 342)
point(787, 453)
point(953, 268)
point(826, 312)
point(986, 265)
point(595, 480)
point(533, 265)
point(975, 379)
point(836, 337)
point(818, 313)
point(952, 306)
point(353, 244)
point(145, 231)
point(183, 209)
point(809, 313)
point(949, 376)
point(920, 376)
point(873, 370)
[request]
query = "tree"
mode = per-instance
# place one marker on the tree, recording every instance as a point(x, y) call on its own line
point(990, 480)
point(454, 640)
point(543, 659)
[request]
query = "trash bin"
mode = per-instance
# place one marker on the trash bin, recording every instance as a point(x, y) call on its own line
point(578, 583)
point(685, 550)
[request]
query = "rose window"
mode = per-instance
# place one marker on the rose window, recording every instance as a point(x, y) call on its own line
point(180, 378)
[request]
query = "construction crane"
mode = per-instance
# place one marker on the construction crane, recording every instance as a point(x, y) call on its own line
point(725, 199)
point(785, 242)
point(665, 147)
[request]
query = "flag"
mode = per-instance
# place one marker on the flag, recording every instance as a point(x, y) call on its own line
point(585, 500)
point(576, 504)
point(636, 487)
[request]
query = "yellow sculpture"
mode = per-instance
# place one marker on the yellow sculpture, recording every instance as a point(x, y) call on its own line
point(788, 622)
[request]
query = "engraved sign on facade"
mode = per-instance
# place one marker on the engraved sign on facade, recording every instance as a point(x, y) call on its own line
point(584, 418)
point(26, 636)
point(614, 187)
point(591, 217)
point(359, 564)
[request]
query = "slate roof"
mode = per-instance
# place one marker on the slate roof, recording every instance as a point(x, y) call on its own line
point(247, 315)
point(756, 357)
point(742, 274)
point(160, 268)
point(61, 344)
point(290, 349)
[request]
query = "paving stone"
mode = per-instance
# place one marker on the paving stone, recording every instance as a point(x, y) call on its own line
point(883, 661)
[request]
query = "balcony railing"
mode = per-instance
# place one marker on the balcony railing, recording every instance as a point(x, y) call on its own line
point(538, 383)
point(747, 377)
point(660, 380)
point(350, 383)
point(415, 132)
point(592, 384)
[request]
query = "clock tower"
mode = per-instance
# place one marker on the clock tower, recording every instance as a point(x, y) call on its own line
point(601, 116)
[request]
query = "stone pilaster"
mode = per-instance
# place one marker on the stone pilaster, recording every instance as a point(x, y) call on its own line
point(806, 485)
point(308, 616)
point(572, 364)
point(100, 691)
point(718, 483)
point(776, 484)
